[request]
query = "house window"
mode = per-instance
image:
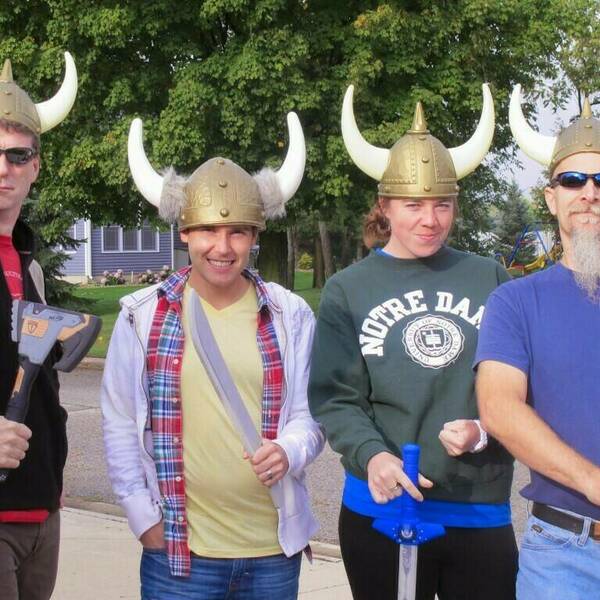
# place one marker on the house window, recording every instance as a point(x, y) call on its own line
point(118, 239)
point(130, 240)
point(149, 239)
point(110, 238)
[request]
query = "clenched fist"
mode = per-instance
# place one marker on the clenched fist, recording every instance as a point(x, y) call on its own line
point(13, 443)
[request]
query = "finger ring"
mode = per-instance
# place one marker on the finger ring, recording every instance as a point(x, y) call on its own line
point(396, 487)
point(269, 474)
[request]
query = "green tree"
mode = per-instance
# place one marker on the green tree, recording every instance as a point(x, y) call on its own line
point(514, 217)
point(577, 52)
point(218, 77)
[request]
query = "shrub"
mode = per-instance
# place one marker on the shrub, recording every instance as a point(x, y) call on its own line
point(149, 278)
point(305, 262)
point(115, 278)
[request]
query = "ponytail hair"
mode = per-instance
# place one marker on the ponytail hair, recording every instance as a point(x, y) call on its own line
point(376, 226)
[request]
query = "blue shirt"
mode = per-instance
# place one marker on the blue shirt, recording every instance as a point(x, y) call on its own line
point(545, 325)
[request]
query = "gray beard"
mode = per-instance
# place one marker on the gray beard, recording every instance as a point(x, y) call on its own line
point(586, 252)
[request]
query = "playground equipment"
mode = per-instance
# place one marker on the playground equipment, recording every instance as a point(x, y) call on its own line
point(544, 260)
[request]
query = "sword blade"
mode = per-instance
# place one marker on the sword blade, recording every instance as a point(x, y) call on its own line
point(407, 572)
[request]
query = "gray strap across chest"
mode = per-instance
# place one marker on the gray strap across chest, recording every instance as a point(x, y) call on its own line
point(210, 355)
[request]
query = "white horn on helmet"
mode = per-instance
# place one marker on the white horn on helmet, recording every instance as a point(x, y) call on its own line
point(146, 179)
point(537, 146)
point(289, 175)
point(468, 156)
point(368, 158)
point(53, 111)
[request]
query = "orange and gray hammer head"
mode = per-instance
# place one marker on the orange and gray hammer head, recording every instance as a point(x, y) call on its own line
point(37, 327)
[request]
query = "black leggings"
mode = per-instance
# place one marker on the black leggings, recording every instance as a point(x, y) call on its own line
point(465, 564)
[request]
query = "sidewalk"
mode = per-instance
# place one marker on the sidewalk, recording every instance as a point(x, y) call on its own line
point(99, 559)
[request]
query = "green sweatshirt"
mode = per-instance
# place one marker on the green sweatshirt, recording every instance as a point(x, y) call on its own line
point(392, 362)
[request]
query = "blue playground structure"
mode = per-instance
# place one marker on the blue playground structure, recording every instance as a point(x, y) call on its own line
point(544, 260)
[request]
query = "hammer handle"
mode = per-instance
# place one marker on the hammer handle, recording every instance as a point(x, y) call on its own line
point(18, 404)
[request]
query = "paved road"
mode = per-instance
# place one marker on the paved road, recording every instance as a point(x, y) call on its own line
point(86, 477)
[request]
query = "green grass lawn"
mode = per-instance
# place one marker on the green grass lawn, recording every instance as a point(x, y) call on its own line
point(303, 287)
point(106, 305)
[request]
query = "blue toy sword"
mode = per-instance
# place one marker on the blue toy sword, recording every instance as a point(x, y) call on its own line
point(408, 530)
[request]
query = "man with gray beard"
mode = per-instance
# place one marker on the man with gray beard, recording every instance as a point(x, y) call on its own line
point(586, 251)
point(537, 371)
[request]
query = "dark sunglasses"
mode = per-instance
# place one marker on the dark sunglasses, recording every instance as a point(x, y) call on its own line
point(18, 156)
point(574, 179)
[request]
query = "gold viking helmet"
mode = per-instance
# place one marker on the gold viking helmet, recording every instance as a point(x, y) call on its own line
point(418, 164)
point(583, 135)
point(219, 192)
point(17, 107)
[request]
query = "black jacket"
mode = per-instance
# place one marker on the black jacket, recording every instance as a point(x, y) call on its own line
point(37, 482)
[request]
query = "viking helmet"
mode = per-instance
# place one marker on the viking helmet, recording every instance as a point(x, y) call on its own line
point(583, 135)
point(418, 165)
point(16, 105)
point(219, 192)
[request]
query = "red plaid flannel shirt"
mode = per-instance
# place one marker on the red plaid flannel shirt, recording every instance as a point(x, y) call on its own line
point(164, 358)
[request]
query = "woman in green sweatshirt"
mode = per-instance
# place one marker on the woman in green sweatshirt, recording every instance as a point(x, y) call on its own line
point(391, 365)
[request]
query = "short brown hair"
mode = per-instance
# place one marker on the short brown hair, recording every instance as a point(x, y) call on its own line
point(18, 127)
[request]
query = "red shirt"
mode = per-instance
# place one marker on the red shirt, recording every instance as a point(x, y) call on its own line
point(11, 265)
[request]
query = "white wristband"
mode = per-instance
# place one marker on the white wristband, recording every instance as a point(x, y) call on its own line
point(483, 438)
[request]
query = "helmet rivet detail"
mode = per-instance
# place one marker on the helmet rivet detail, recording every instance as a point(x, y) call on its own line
point(8, 92)
point(222, 184)
point(588, 126)
point(220, 161)
point(422, 137)
point(427, 188)
point(386, 188)
point(588, 144)
point(224, 212)
point(183, 217)
point(456, 187)
point(425, 159)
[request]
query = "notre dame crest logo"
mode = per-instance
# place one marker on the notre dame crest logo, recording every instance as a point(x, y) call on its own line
point(433, 342)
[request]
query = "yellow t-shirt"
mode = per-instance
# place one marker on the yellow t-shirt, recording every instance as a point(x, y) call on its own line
point(230, 513)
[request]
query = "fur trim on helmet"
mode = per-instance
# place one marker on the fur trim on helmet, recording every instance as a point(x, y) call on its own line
point(270, 193)
point(172, 198)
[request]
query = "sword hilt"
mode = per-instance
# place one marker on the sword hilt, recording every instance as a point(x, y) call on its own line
point(408, 527)
point(408, 505)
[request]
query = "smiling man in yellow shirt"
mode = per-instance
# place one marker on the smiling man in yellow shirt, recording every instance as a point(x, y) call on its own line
point(201, 508)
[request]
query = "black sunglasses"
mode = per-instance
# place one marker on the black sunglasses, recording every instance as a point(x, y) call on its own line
point(18, 156)
point(574, 179)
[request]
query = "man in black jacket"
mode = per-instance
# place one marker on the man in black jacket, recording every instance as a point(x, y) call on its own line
point(35, 451)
